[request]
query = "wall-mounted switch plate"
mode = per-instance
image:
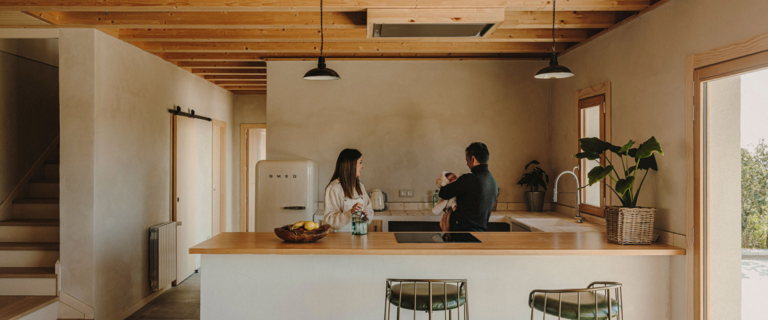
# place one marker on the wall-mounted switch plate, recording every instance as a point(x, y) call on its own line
point(406, 193)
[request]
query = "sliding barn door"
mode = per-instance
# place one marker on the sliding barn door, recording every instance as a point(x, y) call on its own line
point(185, 172)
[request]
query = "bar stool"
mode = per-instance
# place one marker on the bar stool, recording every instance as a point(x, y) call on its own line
point(593, 303)
point(427, 295)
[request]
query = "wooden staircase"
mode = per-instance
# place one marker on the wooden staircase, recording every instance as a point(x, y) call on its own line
point(29, 240)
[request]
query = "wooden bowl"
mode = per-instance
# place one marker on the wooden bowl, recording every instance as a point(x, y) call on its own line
point(303, 235)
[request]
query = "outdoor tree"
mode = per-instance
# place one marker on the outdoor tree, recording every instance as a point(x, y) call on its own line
point(754, 197)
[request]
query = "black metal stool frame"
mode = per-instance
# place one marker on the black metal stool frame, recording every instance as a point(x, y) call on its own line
point(460, 284)
point(594, 288)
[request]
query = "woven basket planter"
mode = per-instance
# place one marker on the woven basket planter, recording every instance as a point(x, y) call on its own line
point(629, 225)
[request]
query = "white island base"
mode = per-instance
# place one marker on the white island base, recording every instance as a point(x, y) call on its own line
point(277, 286)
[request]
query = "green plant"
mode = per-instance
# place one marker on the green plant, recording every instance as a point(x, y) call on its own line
point(624, 185)
point(535, 178)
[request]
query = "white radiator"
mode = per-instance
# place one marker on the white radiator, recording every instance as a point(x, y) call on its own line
point(162, 255)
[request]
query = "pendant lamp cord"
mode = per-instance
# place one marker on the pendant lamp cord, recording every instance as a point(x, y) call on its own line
point(322, 39)
point(553, 24)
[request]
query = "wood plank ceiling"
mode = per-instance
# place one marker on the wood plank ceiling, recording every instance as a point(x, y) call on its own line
point(228, 41)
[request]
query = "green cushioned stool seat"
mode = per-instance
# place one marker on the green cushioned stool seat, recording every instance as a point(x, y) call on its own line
point(422, 296)
point(569, 305)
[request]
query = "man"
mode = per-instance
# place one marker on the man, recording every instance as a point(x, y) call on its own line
point(475, 192)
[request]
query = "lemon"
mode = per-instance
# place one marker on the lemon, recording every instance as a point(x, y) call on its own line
point(309, 225)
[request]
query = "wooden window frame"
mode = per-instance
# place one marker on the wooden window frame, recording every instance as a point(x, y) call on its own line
point(244, 172)
point(587, 97)
point(740, 57)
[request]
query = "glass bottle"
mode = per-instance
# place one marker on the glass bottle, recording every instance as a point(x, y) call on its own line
point(435, 198)
point(359, 224)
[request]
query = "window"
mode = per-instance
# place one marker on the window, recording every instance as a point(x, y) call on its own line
point(593, 108)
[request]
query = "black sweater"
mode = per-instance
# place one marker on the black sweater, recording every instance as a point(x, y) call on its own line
point(475, 194)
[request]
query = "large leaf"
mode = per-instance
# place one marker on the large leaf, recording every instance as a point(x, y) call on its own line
point(536, 162)
point(624, 185)
point(648, 148)
point(587, 155)
point(598, 173)
point(593, 145)
point(648, 163)
point(626, 147)
point(614, 149)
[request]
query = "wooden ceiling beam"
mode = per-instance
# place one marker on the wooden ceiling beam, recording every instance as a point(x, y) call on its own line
point(223, 64)
point(259, 87)
point(302, 20)
point(331, 20)
point(563, 20)
point(312, 5)
point(350, 47)
point(249, 91)
point(235, 77)
point(238, 82)
point(336, 35)
point(214, 71)
point(224, 56)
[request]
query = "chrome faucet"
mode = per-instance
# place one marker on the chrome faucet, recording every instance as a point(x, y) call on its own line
point(578, 214)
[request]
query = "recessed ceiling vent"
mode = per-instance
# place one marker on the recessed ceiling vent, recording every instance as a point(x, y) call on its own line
point(433, 23)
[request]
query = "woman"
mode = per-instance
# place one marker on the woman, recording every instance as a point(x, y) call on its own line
point(345, 194)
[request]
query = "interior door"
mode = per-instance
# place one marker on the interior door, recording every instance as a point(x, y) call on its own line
point(185, 173)
point(218, 216)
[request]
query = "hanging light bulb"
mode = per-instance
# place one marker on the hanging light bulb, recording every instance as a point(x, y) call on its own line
point(321, 72)
point(553, 71)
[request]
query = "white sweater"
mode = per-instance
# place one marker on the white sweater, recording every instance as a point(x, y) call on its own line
point(338, 208)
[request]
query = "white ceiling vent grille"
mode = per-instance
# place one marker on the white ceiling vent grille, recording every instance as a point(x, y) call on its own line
point(433, 23)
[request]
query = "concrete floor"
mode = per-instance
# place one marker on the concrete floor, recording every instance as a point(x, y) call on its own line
point(179, 302)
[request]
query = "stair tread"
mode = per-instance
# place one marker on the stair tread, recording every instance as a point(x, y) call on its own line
point(44, 180)
point(30, 222)
point(14, 307)
point(29, 246)
point(27, 272)
point(36, 200)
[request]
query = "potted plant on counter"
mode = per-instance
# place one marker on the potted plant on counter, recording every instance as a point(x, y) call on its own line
point(627, 224)
point(532, 181)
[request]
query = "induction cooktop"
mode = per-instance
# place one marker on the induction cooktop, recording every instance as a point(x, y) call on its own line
point(435, 237)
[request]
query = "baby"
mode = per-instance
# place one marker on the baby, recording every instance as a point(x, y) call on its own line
point(445, 206)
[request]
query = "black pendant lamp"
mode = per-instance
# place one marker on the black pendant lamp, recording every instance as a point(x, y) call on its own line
point(554, 71)
point(321, 72)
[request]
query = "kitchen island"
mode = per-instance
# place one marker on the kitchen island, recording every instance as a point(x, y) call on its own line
point(258, 276)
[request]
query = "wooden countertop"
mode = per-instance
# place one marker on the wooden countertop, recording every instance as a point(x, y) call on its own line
point(384, 243)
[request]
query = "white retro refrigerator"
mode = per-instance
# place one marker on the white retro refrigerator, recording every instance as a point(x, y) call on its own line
point(286, 192)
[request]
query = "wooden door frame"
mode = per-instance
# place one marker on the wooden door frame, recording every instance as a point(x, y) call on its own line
point(603, 89)
point(222, 127)
point(244, 171)
point(720, 62)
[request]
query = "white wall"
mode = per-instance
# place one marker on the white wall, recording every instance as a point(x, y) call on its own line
point(29, 111)
point(248, 108)
point(116, 161)
point(411, 120)
point(724, 138)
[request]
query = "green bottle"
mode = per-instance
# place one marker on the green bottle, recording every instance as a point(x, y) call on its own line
point(435, 198)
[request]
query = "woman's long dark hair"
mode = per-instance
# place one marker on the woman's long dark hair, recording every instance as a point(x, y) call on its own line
point(346, 171)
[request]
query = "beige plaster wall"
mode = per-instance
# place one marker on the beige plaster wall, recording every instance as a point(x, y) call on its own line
point(645, 62)
point(248, 108)
point(29, 114)
point(724, 138)
point(77, 78)
point(411, 120)
point(129, 155)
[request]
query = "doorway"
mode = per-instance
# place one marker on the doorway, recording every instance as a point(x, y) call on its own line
point(253, 148)
point(730, 194)
point(593, 109)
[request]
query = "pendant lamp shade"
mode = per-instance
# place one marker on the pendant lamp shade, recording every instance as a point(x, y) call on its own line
point(321, 72)
point(554, 71)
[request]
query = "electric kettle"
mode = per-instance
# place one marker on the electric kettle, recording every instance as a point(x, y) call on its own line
point(378, 200)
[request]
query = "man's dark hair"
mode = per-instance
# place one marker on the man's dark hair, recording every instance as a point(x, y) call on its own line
point(479, 151)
